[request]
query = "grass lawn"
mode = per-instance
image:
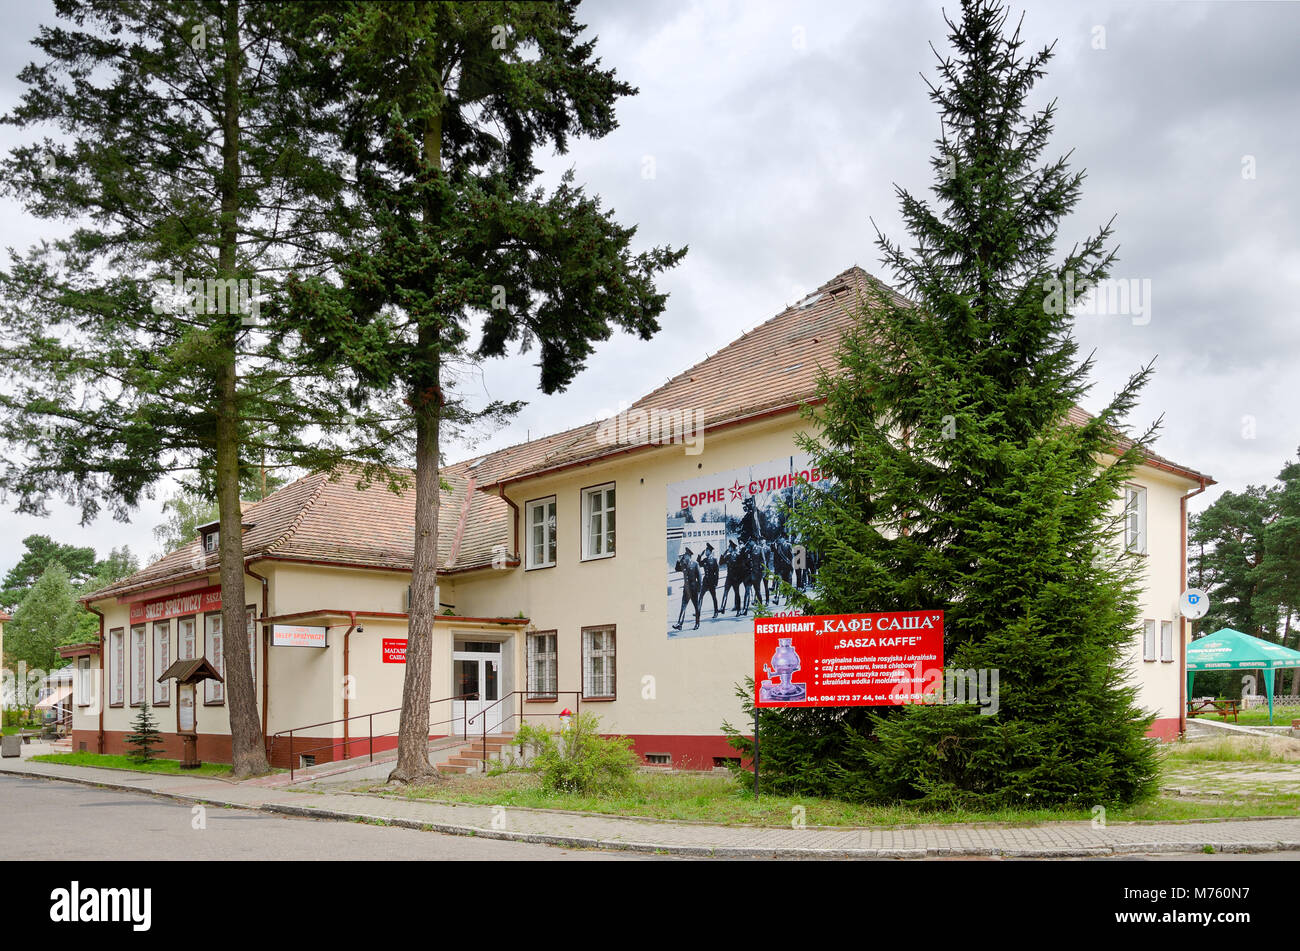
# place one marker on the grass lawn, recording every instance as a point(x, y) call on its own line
point(8, 730)
point(1282, 716)
point(108, 761)
point(719, 799)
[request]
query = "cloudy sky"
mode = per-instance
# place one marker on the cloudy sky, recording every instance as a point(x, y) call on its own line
point(768, 136)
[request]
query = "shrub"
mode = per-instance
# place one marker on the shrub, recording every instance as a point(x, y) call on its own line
point(578, 759)
point(145, 737)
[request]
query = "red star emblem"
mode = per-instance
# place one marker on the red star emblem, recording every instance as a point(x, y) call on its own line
point(737, 491)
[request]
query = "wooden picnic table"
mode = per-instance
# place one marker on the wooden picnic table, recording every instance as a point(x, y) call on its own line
point(1224, 708)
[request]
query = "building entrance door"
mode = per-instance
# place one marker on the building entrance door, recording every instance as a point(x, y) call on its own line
point(476, 668)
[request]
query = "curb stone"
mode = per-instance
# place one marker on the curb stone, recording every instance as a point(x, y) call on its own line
point(739, 852)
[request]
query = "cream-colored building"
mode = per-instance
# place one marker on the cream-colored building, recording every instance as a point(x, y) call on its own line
point(561, 576)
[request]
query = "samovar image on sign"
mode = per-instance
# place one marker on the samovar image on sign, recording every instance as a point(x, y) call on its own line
point(783, 666)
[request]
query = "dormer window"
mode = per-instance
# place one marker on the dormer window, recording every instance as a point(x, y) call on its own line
point(210, 535)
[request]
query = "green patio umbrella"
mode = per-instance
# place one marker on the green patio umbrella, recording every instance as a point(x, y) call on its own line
point(1227, 649)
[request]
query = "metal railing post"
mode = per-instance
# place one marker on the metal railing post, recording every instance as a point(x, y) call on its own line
point(291, 756)
point(372, 737)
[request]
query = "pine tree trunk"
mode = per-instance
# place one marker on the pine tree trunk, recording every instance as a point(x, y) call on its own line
point(413, 731)
point(413, 764)
point(248, 750)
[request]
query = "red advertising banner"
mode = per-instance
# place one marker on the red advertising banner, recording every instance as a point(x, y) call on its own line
point(394, 650)
point(847, 660)
point(196, 602)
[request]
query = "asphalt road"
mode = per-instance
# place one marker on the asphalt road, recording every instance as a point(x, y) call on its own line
point(52, 820)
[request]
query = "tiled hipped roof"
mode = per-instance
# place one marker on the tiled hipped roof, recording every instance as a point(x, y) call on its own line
point(773, 367)
point(328, 520)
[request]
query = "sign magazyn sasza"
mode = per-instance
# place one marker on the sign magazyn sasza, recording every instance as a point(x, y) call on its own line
point(846, 660)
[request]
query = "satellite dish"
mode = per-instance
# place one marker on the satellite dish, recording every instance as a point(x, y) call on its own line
point(1193, 603)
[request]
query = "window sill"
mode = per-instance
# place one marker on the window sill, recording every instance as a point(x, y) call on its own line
point(539, 567)
point(599, 557)
point(598, 699)
point(540, 699)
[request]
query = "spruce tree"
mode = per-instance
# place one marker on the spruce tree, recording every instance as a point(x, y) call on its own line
point(145, 737)
point(958, 481)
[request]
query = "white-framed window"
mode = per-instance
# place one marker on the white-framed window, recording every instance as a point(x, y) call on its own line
point(214, 691)
point(1135, 519)
point(83, 687)
point(1166, 640)
point(210, 542)
point(543, 666)
point(1149, 640)
point(251, 614)
point(598, 521)
point(138, 670)
point(598, 670)
point(185, 638)
point(162, 659)
point(116, 666)
point(540, 518)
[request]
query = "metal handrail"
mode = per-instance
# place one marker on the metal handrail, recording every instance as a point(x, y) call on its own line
point(359, 716)
point(578, 702)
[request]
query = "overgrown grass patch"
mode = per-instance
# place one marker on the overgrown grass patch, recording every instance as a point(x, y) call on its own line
point(720, 800)
point(1236, 749)
point(113, 761)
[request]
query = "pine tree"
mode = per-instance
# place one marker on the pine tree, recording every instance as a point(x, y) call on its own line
point(145, 737)
point(446, 104)
point(958, 482)
point(145, 343)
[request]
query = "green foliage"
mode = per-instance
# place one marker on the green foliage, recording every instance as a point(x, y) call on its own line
point(440, 107)
point(41, 552)
point(175, 162)
point(184, 512)
point(956, 481)
point(83, 572)
point(1227, 552)
point(802, 751)
point(144, 738)
point(47, 617)
point(578, 759)
point(1244, 550)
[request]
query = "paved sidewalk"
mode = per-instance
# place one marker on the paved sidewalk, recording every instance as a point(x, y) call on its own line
point(1061, 839)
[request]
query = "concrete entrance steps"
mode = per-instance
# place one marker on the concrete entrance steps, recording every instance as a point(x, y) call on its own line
point(62, 746)
point(469, 758)
point(362, 767)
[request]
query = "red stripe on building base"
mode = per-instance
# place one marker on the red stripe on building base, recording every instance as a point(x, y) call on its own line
point(1166, 730)
point(685, 751)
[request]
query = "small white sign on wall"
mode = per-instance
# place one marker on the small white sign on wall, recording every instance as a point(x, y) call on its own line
point(293, 635)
